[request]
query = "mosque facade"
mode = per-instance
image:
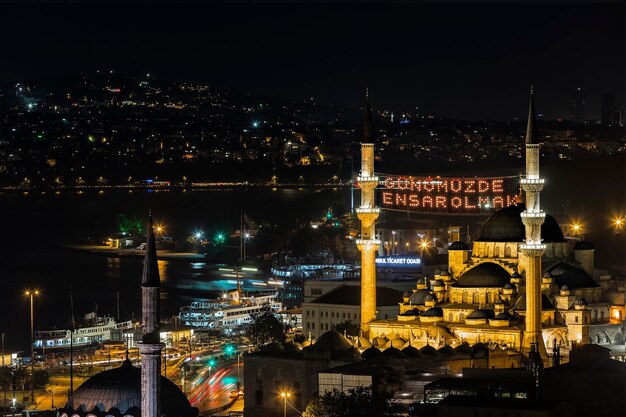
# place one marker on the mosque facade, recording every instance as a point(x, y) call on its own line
point(520, 286)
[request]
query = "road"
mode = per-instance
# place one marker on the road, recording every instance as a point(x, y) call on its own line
point(212, 390)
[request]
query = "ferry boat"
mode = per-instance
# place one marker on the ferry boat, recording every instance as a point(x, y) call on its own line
point(230, 311)
point(96, 330)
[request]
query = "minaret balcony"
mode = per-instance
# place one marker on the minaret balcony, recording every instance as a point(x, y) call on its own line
point(368, 243)
point(533, 215)
point(532, 246)
point(525, 181)
point(362, 179)
point(367, 210)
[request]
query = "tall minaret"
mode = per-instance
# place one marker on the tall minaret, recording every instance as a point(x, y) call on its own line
point(150, 346)
point(533, 248)
point(367, 213)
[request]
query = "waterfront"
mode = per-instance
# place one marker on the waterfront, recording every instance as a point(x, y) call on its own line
point(35, 226)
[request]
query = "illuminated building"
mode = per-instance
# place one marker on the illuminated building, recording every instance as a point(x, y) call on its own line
point(520, 283)
point(532, 249)
point(367, 213)
point(131, 391)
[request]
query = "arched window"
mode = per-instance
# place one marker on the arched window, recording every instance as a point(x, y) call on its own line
point(488, 297)
point(461, 317)
point(602, 315)
point(450, 317)
point(496, 251)
point(507, 251)
point(466, 297)
point(475, 298)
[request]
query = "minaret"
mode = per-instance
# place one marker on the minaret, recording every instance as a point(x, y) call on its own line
point(150, 346)
point(367, 213)
point(533, 248)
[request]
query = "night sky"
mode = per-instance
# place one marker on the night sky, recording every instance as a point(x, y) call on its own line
point(451, 60)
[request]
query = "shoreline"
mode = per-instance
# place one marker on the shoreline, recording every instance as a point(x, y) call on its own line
point(136, 253)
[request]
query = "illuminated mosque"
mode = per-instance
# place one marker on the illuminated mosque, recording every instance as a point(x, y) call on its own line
point(519, 288)
point(130, 391)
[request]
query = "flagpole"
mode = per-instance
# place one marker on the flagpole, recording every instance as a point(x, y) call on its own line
point(242, 243)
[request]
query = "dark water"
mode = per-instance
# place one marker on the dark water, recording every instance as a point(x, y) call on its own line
point(35, 225)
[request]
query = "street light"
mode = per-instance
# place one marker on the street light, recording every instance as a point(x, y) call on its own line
point(285, 395)
point(31, 294)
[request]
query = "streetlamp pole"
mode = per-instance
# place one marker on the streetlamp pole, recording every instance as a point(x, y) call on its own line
point(31, 294)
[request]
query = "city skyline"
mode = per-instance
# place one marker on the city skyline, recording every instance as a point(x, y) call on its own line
point(407, 57)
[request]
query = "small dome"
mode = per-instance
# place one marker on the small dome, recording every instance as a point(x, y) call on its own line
point(580, 302)
point(428, 350)
point(413, 312)
point(363, 343)
point(503, 316)
point(480, 314)
point(583, 245)
point(447, 350)
point(392, 352)
point(411, 352)
point(547, 274)
point(564, 287)
point(371, 352)
point(516, 275)
point(120, 389)
point(464, 348)
point(444, 273)
point(433, 312)
point(438, 283)
point(406, 294)
point(379, 342)
point(418, 297)
point(437, 271)
point(484, 275)
point(458, 245)
point(508, 286)
point(331, 341)
point(397, 343)
point(429, 297)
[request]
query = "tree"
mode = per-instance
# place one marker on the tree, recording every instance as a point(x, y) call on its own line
point(358, 402)
point(265, 328)
point(349, 327)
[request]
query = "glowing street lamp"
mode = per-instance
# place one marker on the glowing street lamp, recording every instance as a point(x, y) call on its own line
point(31, 294)
point(424, 245)
point(284, 395)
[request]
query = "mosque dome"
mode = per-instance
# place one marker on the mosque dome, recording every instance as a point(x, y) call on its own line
point(428, 350)
point(447, 350)
point(520, 303)
point(458, 245)
point(480, 314)
point(572, 276)
point(433, 312)
point(464, 348)
point(419, 297)
point(118, 392)
point(505, 225)
point(484, 275)
point(411, 352)
point(583, 245)
point(371, 352)
point(392, 352)
point(331, 342)
point(580, 302)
